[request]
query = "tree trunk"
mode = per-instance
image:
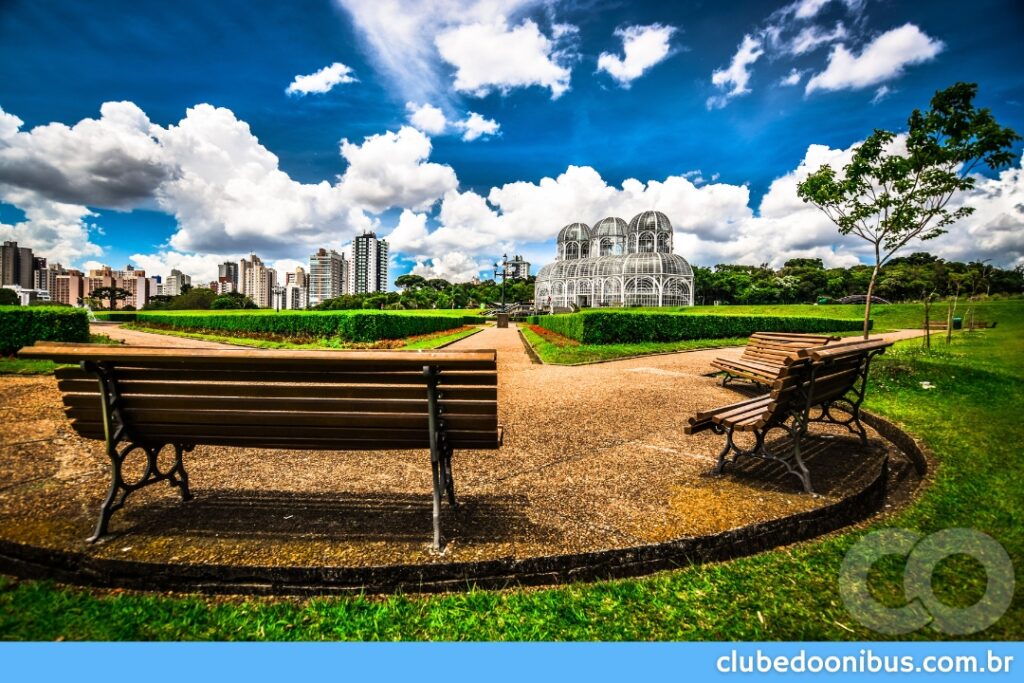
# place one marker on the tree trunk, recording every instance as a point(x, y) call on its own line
point(949, 317)
point(927, 324)
point(949, 322)
point(867, 304)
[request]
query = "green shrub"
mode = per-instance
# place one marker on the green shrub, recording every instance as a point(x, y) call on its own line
point(116, 316)
point(354, 326)
point(619, 327)
point(25, 325)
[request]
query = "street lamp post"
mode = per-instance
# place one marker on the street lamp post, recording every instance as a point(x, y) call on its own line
point(278, 292)
point(503, 273)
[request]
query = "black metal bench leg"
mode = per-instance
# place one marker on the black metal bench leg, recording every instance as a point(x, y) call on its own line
point(720, 466)
point(435, 467)
point(802, 472)
point(449, 478)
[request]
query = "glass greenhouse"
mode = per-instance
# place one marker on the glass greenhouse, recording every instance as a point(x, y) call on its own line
point(616, 264)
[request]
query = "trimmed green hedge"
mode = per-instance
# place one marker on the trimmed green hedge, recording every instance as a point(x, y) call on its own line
point(25, 325)
point(352, 326)
point(116, 316)
point(620, 327)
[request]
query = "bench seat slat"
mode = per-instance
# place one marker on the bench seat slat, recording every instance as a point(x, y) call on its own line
point(309, 437)
point(285, 404)
point(289, 418)
point(131, 388)
point(446, 378)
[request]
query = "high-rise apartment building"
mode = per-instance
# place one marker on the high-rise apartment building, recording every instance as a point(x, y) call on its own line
point(174, 283)
point(16, 265)
point(227, 272)
point(46, 277)
point(369, 269)
point(295, 292)
point(68, 287)
point(328, 276)
point(257, 281)
point(517, 268)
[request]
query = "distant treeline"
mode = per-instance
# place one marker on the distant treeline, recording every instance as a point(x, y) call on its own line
point(419, 292)
point(910, 278)
point(804, 280)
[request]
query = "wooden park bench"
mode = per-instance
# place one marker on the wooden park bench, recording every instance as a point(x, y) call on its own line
point(764, 355)
point(148, 398)
point(824, 377)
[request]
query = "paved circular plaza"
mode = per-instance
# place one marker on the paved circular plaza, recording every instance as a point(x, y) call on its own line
point(594, 470)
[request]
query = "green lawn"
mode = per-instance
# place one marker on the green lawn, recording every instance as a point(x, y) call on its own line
point(453, 312)
point(429, 341)
point(971, 419)
point(566, 352)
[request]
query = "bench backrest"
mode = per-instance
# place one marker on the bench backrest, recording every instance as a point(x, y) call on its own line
point(820, 374)
point(330, 400)
point(774, 347)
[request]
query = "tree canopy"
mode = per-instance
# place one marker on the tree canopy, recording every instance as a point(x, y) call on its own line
point(898, 188)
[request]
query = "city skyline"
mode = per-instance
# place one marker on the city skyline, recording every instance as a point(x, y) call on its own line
point(470, 129)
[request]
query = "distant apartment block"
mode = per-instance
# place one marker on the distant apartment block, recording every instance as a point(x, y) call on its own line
point(16, 265)
point(175, 281)
point(328, 276)
point(518, 268)
point(68, 287)
point(256, 281)
point(369, 270)
point(130, 279)
point(227, 272)
point(46, 277)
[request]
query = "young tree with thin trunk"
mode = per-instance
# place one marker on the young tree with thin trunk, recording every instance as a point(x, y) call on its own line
point(897, 187)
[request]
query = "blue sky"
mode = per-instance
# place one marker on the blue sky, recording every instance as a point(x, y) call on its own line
point(164, 181)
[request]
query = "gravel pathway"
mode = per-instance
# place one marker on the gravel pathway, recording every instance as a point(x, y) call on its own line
point(136, 338)
point(593, 458)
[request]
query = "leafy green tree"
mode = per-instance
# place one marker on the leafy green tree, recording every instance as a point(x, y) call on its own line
point(110, 296)
point(410, 282)
point(8, 297)
point(195, 299)
point(889, 197)
point(232, 300)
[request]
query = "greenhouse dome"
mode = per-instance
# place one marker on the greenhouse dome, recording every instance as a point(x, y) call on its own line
point(616, 264)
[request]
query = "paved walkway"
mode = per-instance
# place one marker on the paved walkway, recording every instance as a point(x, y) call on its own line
point(593, 458)
point(136, 338)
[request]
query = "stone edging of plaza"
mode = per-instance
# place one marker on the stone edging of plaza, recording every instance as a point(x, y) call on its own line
point(77, 568)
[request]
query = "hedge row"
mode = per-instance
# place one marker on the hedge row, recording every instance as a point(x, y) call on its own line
point(608, 327)
point(353, 326)
point(116, 316)
point(25, 325)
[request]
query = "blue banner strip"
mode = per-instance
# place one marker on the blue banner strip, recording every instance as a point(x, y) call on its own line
point(513, 662)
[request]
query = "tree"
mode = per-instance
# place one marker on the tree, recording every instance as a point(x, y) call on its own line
point(890, 197)
point(232, 300)
point(111, 295)
point(8, 297)
point(195, 299)
point(410, 282)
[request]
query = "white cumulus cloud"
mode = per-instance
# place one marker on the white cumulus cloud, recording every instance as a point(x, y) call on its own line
point(642, 47)
point(390, 170)
point(321, 81)
point(399, 36)
point(492, 56)
point(883, 59)
point(475, 126)
point(733, 79)
point(426, 117)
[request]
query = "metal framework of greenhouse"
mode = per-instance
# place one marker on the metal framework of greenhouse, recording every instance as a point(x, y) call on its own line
point(616, 264)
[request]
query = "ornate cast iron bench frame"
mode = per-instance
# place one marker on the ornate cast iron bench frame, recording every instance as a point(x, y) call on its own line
point(824, 378)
